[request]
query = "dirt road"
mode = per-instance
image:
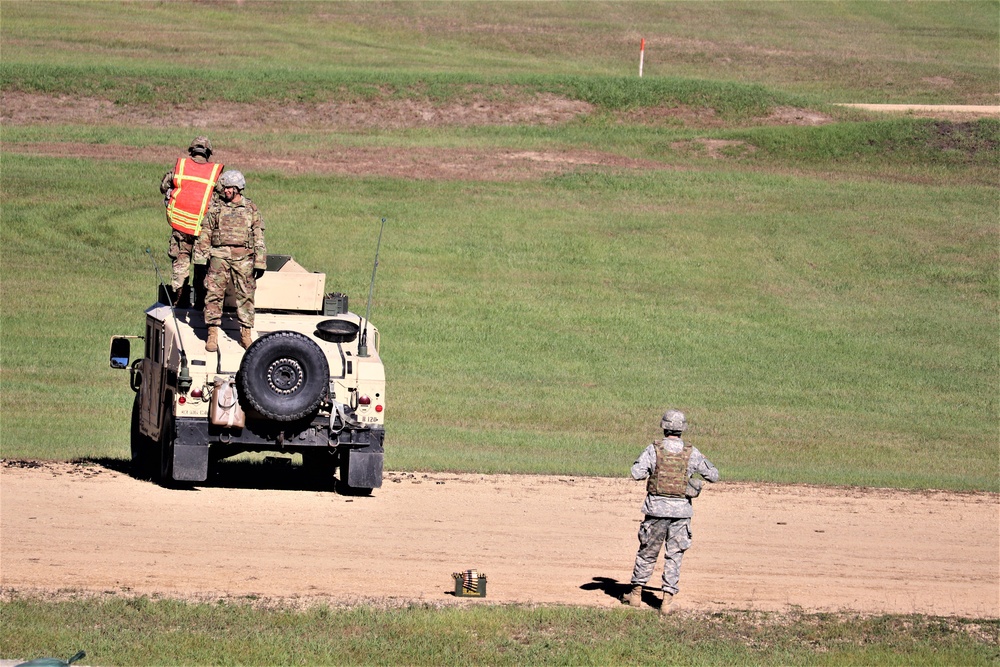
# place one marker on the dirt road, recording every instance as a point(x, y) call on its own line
point(548, 540)
point(933, 110)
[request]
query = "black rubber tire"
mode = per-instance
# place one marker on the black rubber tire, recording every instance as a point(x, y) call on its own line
point(355, 491)
point(144, 451)
point(284, 376)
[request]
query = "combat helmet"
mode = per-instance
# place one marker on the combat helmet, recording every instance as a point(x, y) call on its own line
point(200, 145)
point(232, 179)
point(673, 420)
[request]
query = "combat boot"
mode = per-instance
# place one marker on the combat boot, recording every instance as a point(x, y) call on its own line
point(634, 597)
point(245, 338)
point(667, 605)
point(212, 344)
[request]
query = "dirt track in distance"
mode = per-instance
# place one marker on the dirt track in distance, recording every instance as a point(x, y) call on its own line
point(539, 539)
point(437, 163)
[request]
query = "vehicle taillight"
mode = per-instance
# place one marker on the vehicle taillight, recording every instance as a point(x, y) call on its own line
point(182, 400)
point(378, 408)
point(196, 393)
point(364, 400)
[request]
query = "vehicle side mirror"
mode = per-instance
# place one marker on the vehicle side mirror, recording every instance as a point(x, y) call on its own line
point(121, 351)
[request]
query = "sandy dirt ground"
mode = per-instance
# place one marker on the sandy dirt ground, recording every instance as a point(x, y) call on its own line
point(67, 528)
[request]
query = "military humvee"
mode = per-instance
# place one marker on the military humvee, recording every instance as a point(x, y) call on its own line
point(309, 384)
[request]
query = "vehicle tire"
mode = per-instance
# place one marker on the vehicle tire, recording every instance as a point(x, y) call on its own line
point(360, 492)
point(144, 451)
point(167, 437)
point(284, 376)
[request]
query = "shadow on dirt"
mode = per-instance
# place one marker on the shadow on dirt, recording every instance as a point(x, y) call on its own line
point(123, 466)
point(279, 474)
point(271, 473)
point(612, 588)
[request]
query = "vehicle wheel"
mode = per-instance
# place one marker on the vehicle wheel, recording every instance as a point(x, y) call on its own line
point(345, 490)
point(167, 438)
point(143, 449)
point(284, 376)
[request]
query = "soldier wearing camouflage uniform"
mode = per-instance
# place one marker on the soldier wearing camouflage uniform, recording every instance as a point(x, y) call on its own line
point(669, 466)
point(185, 217)
point(232, 244)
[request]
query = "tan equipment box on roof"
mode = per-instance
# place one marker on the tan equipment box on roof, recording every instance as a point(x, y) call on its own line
point(286, 285)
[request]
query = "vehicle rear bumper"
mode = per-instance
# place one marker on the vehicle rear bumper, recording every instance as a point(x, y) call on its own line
point(200, 432)
point(361, 451)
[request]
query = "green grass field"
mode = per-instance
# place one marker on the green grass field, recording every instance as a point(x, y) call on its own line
point(144, 631)
point(823, 330)
point(843, 52)
point(821, 300)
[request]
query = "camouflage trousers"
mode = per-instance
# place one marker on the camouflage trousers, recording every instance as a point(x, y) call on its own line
point(655, 532)
point(222, 273)
point(179, 251)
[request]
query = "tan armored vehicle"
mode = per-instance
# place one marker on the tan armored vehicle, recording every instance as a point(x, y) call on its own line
point(311, 383)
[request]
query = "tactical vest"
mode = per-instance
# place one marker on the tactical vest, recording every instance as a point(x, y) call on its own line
point(233, 225)
point(671, 475)
point(191, 194)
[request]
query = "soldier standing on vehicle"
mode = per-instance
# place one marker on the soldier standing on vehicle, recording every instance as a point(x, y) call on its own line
point(233, 247)
point(669, 465)
point(187, 192)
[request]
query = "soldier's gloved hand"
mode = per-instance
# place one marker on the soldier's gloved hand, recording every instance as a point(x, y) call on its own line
point(257, 273)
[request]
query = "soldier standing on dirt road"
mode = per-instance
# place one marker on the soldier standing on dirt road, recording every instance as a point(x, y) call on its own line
point(233, 247)
point(187, 193)
point(669, 465)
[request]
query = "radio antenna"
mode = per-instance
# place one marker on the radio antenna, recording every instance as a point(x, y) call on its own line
point(363, 342)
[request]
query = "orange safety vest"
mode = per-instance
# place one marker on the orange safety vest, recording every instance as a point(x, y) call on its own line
point(192, 192)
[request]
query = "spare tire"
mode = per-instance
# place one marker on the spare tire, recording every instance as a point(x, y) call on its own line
point(284, 375)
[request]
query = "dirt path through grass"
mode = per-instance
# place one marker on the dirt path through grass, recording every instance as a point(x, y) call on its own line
point(946, 111)
point(539, 539)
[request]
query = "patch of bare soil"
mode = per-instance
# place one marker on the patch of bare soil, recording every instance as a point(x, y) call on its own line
point(797, 116)
point(429, 163)
point(17, 108)
point(69, 529)
point(704, 117)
